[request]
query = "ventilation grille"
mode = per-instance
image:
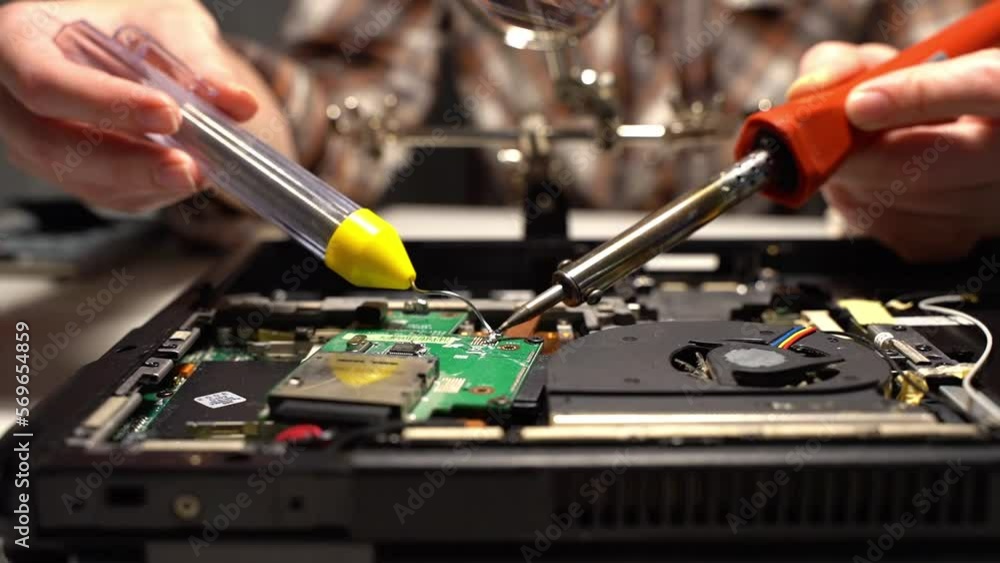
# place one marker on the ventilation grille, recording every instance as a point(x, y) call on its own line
point(813, 497)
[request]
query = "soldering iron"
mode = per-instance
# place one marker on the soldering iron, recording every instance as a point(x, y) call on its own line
point(786, 153)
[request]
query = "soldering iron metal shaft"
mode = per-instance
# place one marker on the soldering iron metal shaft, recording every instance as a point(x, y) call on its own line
point(586, 279)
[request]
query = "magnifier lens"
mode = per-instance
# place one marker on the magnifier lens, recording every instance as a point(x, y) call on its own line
point(540, 24)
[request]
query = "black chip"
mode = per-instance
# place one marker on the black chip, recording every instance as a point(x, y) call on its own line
point(406, 349)
point(250, 381)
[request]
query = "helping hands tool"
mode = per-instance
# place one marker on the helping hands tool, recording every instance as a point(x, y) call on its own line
point(787, 153)
point(352, 241)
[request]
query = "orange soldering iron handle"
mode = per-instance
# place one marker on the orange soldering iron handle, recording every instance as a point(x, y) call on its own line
point(814, 129)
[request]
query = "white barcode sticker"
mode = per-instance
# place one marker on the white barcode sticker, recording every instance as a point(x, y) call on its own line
point(220, 399)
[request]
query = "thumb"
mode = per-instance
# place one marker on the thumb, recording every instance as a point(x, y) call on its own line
point(929, 93)
point(832, 62)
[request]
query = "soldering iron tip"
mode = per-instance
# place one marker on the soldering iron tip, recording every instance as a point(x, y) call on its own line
point(543, 302)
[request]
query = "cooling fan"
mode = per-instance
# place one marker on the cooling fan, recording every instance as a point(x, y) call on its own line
point(716, 357)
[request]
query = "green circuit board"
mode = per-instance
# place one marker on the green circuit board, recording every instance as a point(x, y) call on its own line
point(151, 407)
point(153, 403)
point(217, 354)
point(474, 376)
point(434, 321)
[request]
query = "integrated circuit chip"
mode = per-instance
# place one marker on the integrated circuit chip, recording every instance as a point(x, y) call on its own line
point(406, 349)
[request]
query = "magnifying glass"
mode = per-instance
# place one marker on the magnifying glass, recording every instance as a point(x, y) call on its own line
point(538, 25)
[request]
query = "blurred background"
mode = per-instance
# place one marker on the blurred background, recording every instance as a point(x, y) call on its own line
point(257, 22)
point(672, 59)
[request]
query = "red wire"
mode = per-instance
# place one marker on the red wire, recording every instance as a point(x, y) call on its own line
point(798, 336)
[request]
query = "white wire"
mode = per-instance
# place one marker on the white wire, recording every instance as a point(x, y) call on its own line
point(931, 304)
point(493, 335)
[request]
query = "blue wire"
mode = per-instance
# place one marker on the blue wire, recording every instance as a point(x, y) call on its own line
point(778, 340)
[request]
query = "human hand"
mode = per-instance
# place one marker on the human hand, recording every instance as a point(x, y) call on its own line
point(52, 108)
point(929, 188)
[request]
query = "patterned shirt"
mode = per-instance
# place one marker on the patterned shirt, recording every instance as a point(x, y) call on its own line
point(351, 61)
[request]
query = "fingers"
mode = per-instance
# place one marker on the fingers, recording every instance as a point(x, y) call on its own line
point(927, 159)
point(831, 62)
point(104, 168)
point(85, 130)
point(236, 101)
point(100, 195)
point(915, 235)
point(213, 61)
point(932, 92)
point(233, 98)
point(161, 179)
point(80, 94)
point(207, 54)
point(43, 80)
point(49, 84)
point(960, 205)
point(925, 188)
